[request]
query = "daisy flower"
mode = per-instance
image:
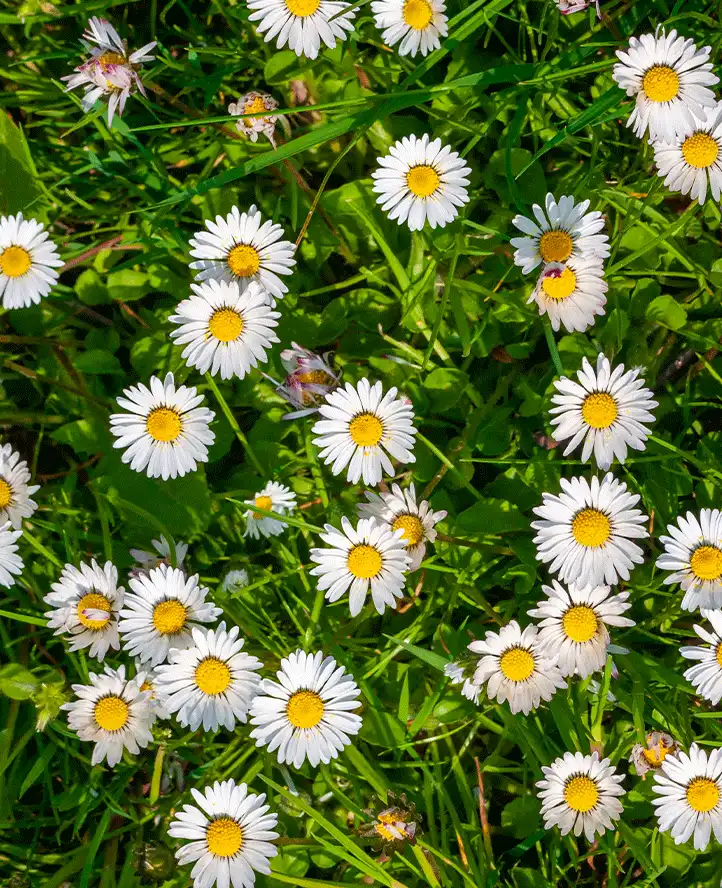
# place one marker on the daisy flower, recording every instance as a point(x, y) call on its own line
point(111, 70)
point(670, 79)
point(273, 498)
point(371, 554)
point(650, 755)
point(150, 560)
point(145, 679)
point(256, 103)
point(513, 668)
point(692, 162)
point(571, 294)
point(10, 562)
point(165, 431)
point(160, 612)
point(418, 24)
point(561, 231)
point(586, 531)
point(234, 581)
point(230, 835)
point(580, 793)
point(706, 675)
point(605, 409)
point(689, 790)
point(86, 602)
point(573, 625)
point(211, 683)
point(420, 180)
point(113, 713)
point(307, 713)
point(15, 492)
point(400, 511)
point(693, 551)
point(225, 328)
point(302, 24)
point(360, 427)
point(310, 378)
point(28, 259)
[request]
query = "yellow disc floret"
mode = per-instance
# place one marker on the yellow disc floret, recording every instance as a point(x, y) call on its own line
point(212, 676)
point(599, 410)
point(517, 664)
point(700, 150)
point(6, 493)
point(14, 261)
point(305, 709)
point(703, 794)
point(417, 14)
point(226, 325)
point(111, 713)
point(93, 601)
point(581, 794)
point(224, 837)
point(661, 83)
point(560, 285)
point(366, 430)
point(169, 617)
point(264, 502)
point(164, 424)
point(364, 562)
point(422, 180)
point(592, 528)
point(555, 246)
point(244, 260)
point(580, 623)
point(412, 527)
point(706, 563)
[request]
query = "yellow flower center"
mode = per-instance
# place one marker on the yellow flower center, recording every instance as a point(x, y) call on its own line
point(147, 686)
point(581, 794)
point(517, 664)
point(302, 8)
point(14, 261)
point(560, 286)
point(212, 676)
point(313, 377)
point(718, 655)
point(706, 563)
point(164, 424)
point(111, 713)
point(703, 794)
point(6, 493)
point(254, 106)
point(700, 150)
point(599, 410)
point(226, 325)
point(655, 754)
point(224, 837)
point(385, 833)
point(580, 623)
point(422, 180)
point(555, 246)
point(417, 14)
point(111, 58)
point(660, 83)
point(591, 527)
point(264, 502)
point(244, 260)
point(364, 562)
point(366, 430)
point(305, 709)
point(412, 527)
point(169, 617)
point(93, 601)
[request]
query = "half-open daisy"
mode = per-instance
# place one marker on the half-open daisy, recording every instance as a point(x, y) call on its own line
point(580, 793)
point(670, 79)
point(571, 294)
point(230, 835)
point(586, 532)
point(211, 683)
point(692, 162)
point(514, 669)
point(360, 427)
point(86, 602)
point(418, 24)
point(693, 551)
point(421, 180)
point(368, 555)
point(400, 511)
point(15, 492)
point(28, 259)
point(303, 24)
point(273, 498)
point(225, 328)
point(307, 713)
point(689, 790)
point(165, 431)
point(573, 625)
point(10, 562)
point(113, 713)
point(150, 560)
point(706, 675)
point(562, 231)
point(605, 409)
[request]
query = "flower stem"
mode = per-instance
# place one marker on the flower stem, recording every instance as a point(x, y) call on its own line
point(553, 350)
point(233, 422)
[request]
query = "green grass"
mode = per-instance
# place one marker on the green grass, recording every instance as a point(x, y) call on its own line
point(527, 97)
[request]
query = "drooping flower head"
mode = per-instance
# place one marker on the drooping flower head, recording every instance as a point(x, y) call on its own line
point(150, 560)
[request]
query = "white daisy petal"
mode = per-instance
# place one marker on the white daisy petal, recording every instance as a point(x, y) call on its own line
point(691, 163)
point(15, 492)
point(273, 498)
point(693, 554)
point(571, 294)
point(416, 24)
point(303, 24)
point(28, 259)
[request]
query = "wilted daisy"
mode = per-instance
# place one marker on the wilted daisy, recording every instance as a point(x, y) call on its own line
point(10, 562)
point(241, 249)
point(211, 683)
point(605, 409)
point(562, 231)
point(361, 427)
point(113, 713)
point(692, 162)
point(573, 625)
point(225, 329)
point(567, 7)
point(462, 673)
point(273, 498)
point(234, 581)
point(165, 431)
point(28, 259)
point(395, 823)
point(513, 668)
point(310, 378)
point(418, 24)
point(420, 180)
point(160, 612)
point(15, 492)
point(580, 793)
point(86, 602)
point(693, 551)
point(571, 294)
point(302, 24)
point(150, 560)
point(111, 70)
point(670, 79)
point(230, 835)
point(650, 755)
point(369, 555)
point(586, 531)
point(706, 675)
point(400, 511)
point(256, 103)
point(689, 790)
point(307, 713)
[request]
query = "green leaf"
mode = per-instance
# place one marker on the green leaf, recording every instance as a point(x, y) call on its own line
point(97, 360)
point(521, 816)
point(17, 682)
point(19, 178)
point(90, 288)
point(382, 729)
point(665, 310)
point(128, 284)
point(491, 516)
point(445, 386)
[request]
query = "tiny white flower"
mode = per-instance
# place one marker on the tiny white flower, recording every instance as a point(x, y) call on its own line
point(235, 580)
point(692, 163)
point(693, 551)
point(273, 498)
point(145, 679)
point(418, 24)
point(303, 24)
point(15, 492)
point(571, 294)
point(28, 259)
point(706, 675)
point(10, 562)
point(454, 671)
point(149, 560)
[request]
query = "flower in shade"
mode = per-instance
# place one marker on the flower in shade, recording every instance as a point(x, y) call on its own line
point(571, 294)
point(257, 103)
point(15, 492)
point(149, 560)
point(706, 674)
point(145, 678)
point(234, 581)
point(692, 162)
point(650, 755)
point(693, 552)
point(273, 498)
point(463, 673)
point(28, 259)
point(567, 7)
point(10, 562)
point(394, 824)
point(417, 24)
point(303, 24)
point(310, 378)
